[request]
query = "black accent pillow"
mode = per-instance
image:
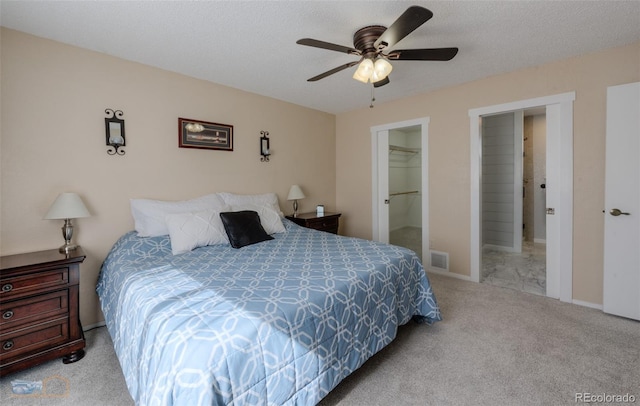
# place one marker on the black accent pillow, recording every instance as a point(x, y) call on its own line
point(243, 228)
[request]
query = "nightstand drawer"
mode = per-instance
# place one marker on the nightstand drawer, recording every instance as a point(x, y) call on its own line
point(324, 224)
point(32, 309)
point(20, 286)
point(33, 338)
point(329, 222)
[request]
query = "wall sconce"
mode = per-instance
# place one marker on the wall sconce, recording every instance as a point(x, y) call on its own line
point(264, 146)
point(114, 127)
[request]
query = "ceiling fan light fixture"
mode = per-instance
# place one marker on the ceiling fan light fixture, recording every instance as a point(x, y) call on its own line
point(381, 69)
point(360, 78)
point(364, 71)
point(372, 71)
point(375, 45)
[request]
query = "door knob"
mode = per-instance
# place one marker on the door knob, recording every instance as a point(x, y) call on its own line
point(617, 212)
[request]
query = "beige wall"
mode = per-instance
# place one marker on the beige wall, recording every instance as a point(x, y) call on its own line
point(53, 140)
point(53, 98)
point(449, 161)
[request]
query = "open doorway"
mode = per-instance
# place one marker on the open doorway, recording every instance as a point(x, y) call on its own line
point(514, 200)
point(558, 189)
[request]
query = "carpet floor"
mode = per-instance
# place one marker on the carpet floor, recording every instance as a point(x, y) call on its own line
point(495, 346)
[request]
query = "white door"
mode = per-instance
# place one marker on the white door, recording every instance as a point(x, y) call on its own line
point(621, 294)
point(380, 179)
point(383, 186)
point(553, 197)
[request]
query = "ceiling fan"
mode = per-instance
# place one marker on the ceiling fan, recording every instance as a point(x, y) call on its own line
point(372, 44)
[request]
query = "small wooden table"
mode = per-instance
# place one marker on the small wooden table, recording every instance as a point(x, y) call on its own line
point(328, 222)
point(39, 309)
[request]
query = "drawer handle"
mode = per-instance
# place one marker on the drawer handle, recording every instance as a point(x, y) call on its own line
point(7, 315)
point(7, 288)
point(7, 345)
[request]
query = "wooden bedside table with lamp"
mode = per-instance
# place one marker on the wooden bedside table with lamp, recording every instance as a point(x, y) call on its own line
point(39, 299)
point(318, 220)
point(329, 222)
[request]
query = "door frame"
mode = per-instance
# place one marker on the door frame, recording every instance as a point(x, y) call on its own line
point(559, 112)
point(377, 202)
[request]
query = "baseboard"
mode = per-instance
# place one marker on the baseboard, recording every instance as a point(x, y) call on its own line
point(539, 240)
point(468, 278)
point(587, 304)
point(450, 274)
point(92, 326)
point(404, 226)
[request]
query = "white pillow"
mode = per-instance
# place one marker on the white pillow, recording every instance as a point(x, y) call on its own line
point(149, 215)
point(192, 230)
point(269, 218)
point(266, 199)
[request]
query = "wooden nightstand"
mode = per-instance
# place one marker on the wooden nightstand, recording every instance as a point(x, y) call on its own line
point(328, 222)
point(39, 309)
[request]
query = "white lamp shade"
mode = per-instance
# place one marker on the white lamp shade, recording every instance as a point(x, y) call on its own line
point(295, 193)
point(67, 206)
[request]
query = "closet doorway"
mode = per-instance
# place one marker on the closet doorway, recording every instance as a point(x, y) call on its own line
point(400, 184)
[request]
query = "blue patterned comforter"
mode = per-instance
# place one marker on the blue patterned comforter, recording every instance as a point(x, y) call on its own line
point(281, 322)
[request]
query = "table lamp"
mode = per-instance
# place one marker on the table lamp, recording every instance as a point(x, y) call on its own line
point(67, 206)
point(295, 193)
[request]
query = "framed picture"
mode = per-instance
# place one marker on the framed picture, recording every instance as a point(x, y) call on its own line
point(205, 135)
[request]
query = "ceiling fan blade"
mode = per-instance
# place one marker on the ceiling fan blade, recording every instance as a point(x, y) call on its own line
point(326, 45)
point(332, 71)
point(381, 82)
point(411, 19)
point(428, 54)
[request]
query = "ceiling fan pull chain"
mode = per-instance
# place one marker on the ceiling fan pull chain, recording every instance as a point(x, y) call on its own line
point(373, 98)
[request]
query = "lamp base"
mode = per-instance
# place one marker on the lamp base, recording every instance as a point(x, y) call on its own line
point(295, 208)
point(67, 233)
point(68, 248)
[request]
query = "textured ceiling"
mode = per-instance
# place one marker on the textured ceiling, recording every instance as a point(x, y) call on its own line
point(251, 45)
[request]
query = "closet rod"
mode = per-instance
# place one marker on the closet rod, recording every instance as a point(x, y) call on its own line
point(403, 149)
point(404, 193)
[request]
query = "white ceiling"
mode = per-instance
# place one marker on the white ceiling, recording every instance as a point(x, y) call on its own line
point(251, 45)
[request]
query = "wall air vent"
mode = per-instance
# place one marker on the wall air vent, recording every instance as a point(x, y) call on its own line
point(439, 260)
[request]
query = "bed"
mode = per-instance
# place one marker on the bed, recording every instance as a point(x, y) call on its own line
point(278, 322)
